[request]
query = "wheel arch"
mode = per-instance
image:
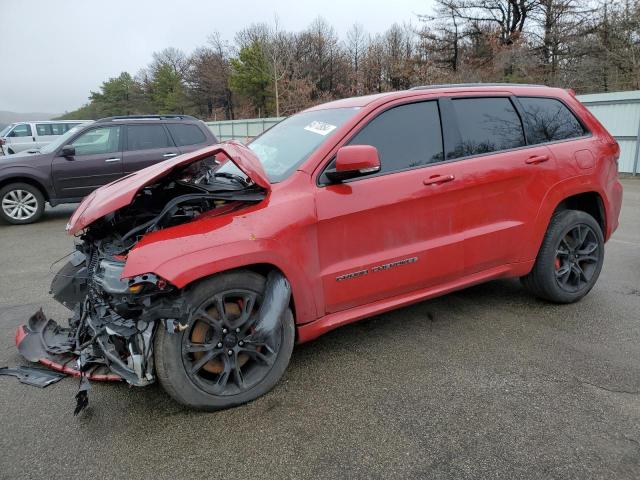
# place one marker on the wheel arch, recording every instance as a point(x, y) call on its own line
point(571, 194)
point(589, 202)
point(261, 269)
point(28, 180)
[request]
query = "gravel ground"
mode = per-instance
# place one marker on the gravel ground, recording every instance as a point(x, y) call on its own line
point(484, 383)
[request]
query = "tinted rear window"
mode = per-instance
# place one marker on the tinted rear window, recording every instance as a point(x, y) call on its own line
point(407, 136)
point(145, 137)
point(185, 134)
point(549, 120)
point(487, 125)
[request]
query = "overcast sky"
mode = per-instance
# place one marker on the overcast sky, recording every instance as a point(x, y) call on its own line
point(52, 53)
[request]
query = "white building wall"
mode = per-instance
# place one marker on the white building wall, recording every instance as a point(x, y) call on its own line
point(619, 112)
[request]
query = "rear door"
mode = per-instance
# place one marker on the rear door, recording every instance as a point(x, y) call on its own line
point(188, 136)
point(146, 144)
point(98, 161)
point(397, 231)
point(505, 180)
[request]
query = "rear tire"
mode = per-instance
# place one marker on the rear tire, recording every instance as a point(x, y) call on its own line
point(569, 260)
point(177, 355)
point(21, 203)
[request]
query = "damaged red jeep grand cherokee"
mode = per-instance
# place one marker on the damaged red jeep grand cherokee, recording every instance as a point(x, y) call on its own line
point(203, 273)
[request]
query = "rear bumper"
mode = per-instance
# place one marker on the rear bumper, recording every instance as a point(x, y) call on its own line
point(613, 207)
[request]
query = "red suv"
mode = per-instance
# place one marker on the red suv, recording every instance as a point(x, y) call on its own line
point(204, 270)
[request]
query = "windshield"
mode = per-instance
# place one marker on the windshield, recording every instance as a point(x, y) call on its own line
point(60, 141)
point(283, 147)
point(6, 129)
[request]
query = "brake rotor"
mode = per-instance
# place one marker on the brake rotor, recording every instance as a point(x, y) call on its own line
point(202, 330)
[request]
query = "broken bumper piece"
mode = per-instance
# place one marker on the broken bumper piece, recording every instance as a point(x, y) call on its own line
point(43, 340)
point(38, 377)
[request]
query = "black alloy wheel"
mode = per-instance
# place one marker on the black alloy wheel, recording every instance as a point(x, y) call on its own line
point(216, 362)
point(577, 257)
point(218, 353)
point(570, 258)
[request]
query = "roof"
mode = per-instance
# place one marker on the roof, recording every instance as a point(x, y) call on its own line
point(146, 117)
point(356, 102)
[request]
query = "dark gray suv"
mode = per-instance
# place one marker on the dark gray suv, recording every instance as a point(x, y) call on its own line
point(89, 156)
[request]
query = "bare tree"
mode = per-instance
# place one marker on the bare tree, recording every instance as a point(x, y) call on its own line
point(356, 45)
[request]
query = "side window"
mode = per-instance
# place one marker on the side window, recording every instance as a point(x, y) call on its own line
point(43, 129)
point(185, 134)
point(98, 141)
point(549, 120)
point(22, 130)
point(406, 136)
point(59, 128)
point(146, 137)
point(487, 125)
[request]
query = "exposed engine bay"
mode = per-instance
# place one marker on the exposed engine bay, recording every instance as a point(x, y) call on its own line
point(114, 320)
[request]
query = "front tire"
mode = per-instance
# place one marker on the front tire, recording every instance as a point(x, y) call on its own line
point(207, 366)
point(570, 258)
point(21, 203)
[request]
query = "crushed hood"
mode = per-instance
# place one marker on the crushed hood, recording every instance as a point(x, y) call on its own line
point(120, 193)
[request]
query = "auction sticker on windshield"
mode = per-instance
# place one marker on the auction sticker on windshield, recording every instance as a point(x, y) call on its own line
point(320, 128)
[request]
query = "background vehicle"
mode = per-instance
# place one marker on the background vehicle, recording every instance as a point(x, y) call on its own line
point(30, 136)
point(343, 211)
point(91, 155)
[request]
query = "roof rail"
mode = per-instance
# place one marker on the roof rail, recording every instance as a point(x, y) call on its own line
point(147, 117)
point(456, 85)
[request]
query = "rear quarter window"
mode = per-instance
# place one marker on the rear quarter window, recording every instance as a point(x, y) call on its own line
point(186, 134)
point(549, 120)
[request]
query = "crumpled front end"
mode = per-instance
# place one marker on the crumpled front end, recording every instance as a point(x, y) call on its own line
point(110, 334)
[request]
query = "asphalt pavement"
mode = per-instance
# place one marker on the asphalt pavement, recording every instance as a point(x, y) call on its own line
point(483, 383)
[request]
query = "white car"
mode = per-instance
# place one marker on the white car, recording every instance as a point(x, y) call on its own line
point(27, 136)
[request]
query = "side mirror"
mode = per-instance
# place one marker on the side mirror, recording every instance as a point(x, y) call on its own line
point(354, 161)
point(68, 151)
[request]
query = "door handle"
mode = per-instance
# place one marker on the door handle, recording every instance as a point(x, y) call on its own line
point(167, 155)
point(438, 179)
point(535, 159)
point(109, 160)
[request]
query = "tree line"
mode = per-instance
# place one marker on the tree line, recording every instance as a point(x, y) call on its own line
point(589, 46)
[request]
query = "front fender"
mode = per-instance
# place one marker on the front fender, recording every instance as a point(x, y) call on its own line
point(185, 269)
point(25, 171)
point(278, 233)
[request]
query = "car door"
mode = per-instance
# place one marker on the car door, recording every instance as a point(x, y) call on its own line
point(397, 231)
point(146, 144)
point(504, 180)
point(188, 136)
point(97, 161)
point(21, 138)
